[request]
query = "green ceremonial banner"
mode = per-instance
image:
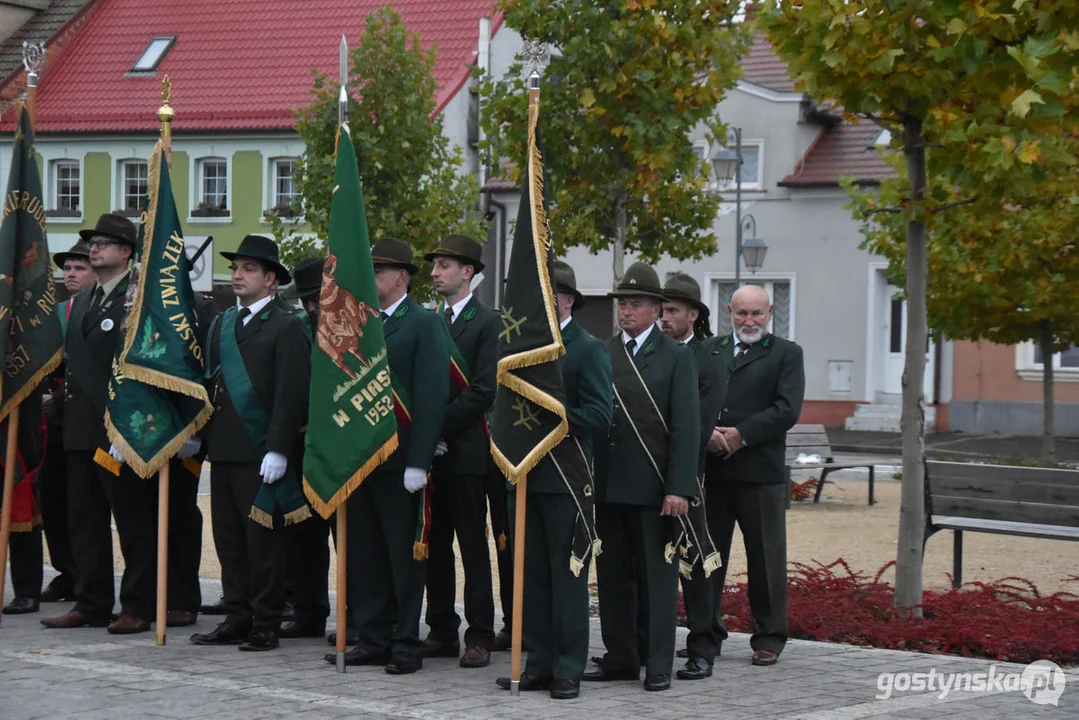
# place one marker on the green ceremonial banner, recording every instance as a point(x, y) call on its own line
point(351, 426)
point(529, 417)
point(156, 397)
point(28, 317)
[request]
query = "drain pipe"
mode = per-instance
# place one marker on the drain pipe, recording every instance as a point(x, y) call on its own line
point(500, 245)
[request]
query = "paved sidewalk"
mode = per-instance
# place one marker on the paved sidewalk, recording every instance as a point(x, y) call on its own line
point(88, 674)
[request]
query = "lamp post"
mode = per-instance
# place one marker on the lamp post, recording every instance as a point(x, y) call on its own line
point(753, 248)
point(727, 166)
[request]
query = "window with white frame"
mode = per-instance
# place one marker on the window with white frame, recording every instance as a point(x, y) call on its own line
point(782, 298)
point(66, 188)
point(1030, 363)
point(134, 185)
point(213, 185)
point(285, 197)
point(752, 166)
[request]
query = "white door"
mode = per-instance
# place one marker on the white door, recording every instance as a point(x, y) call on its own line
point(895, 342)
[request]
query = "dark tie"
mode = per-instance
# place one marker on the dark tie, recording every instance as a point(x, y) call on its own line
point(384, 317)
point(741, 350)
point(244, 312)
point(630, 345)
point(448, 315)
point(95, 306)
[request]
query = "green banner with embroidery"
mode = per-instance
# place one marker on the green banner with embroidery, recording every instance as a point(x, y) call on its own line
point(351, 426)
point(156, 397)
point(29, 321)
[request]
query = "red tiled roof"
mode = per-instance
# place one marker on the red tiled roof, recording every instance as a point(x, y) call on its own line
point(761, 66)
point(841, 150)
point(236, 64)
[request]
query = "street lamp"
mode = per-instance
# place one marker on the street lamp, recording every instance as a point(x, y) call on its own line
point(727, 166)
point(753, 248)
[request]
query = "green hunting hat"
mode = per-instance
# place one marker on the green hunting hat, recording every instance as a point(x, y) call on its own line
point(685, 289)
point(265, 249)
point(393, 252)
point(459, 247)
point(640, 280)
point(113, 226)
point(308, 279)
point(79, 251)
point(565, 281)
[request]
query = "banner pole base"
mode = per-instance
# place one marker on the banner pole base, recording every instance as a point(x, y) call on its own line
point(340, 662)
point(515, 687)
point(161, 640)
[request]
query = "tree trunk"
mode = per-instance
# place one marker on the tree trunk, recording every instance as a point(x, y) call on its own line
point(908, 570)
point(618, 248)
point(1049, 444)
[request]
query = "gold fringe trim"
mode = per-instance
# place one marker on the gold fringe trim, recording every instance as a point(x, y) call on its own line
point(325, 508)
point(102, 458)
point(297, 516)
point(576, 564)
point(597, 547)
point(668, 552)
point(22, 527)
point(514, 472)
point(262, 517)
point(148, 468)
point(31, 385)
point(502, 543)
point(419, 551)
point(193, 466)
point(539, 223)
point(712, 563)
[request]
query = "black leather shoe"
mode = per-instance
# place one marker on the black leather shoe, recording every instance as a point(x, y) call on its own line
point(565, 688)
point(403, 664)
point(602, 675)
point(227, 633)
point(683, 653)
point(288, 612)
point(22, 605)
point(55, 592)
point(657, 682)
point(303, 629)
point(217, 608)
point(697, 668)
point(351, 637)
point(359, 656)
point(260, 640)
point(528, 683)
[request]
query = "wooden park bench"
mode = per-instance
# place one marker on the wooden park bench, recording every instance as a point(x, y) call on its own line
point(1001, 499)
point(813, 440)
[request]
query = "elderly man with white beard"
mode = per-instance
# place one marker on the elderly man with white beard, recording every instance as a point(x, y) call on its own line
point(762, 386)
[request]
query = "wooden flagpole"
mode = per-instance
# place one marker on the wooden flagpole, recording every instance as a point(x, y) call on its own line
point(521, 496)
point(33, 59)
point(164, 114)
point(342, 509)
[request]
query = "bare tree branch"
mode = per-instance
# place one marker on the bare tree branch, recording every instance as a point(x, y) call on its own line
point(957, 203)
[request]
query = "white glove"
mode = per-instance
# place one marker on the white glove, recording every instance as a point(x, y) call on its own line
point(441, 449)
point(415, 479)
point(190, 447)
point(273, 467)
point(117, 453)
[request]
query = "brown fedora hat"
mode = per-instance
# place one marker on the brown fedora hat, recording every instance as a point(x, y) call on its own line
point(79, 251)
point(113, 226)
point(459, 247)
point(640, 280)
point(395, 253)
point(565, 281)
point(685, 289)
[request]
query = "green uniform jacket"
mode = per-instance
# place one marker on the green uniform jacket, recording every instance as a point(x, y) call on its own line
point(586, 376)
point(89, 366)
point(624, 474)
point(476, 334)
point(277, 354)
point(419, 357)
point(712, 382)
point(761, 395)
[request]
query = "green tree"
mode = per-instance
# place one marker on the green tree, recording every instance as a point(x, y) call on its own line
point(412, 183)
point(969, 78)
point(627, 84)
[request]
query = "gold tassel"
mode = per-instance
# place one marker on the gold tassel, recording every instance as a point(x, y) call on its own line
point(575, 565)
point(297, 516)
point(102, 458)
point(668, 552)
point(686, 569)
point(712, 563)
point(502, 541)
point(597, 547)
point(262, 517)
point(419, 551)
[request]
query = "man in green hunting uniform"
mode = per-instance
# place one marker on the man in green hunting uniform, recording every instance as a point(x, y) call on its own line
point(646, 475)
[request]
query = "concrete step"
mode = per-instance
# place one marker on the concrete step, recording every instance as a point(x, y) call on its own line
point(884, 418)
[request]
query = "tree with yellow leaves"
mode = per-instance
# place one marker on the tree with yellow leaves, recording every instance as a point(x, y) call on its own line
point(974, 84)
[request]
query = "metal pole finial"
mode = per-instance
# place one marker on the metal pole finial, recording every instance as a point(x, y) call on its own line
point(536, 57)
point(33, 59)
point(165, 113)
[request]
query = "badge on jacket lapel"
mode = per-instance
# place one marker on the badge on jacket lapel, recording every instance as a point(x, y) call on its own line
point(767, 341)
point(264, 316)
point(400, 311)
point(469, 314)
point(648, 347)
point(107, 324)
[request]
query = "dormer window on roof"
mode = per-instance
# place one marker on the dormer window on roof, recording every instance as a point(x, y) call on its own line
point(153, 54)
